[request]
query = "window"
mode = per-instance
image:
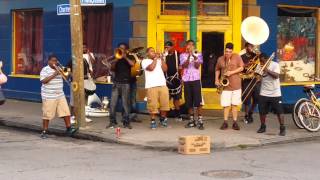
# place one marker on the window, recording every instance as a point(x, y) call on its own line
point(177, 38)
point(296, 44)
point(97, 35)
point(28, 41)
point(205, 7)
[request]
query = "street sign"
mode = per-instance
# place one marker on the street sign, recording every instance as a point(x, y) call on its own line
point(93, 2)
point(63, 9)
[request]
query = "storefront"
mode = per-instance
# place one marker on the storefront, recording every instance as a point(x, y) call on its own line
point(294, 26)
point(32, 30)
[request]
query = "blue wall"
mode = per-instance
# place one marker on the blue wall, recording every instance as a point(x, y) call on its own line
point(269, 12)
point(57, 40)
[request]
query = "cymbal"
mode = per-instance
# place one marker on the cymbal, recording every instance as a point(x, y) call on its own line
point(137, 49)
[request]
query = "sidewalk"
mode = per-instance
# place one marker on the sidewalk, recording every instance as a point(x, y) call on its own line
point(27, 115)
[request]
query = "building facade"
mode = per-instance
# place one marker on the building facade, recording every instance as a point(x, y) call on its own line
point(31, 30)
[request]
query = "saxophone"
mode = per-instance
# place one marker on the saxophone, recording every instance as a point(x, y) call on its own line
point(224, 81)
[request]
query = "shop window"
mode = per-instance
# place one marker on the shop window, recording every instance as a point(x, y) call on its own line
point(205, 7)
point(97, 35)
point(296, 44)
point(28, 41)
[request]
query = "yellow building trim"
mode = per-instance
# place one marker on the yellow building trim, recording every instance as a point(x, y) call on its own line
point(13, 43)
point(24, 76)
point(152, 26)
point(298, 83)
point(236, 22)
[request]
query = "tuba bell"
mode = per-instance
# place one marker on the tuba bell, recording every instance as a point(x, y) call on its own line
point(254, 30)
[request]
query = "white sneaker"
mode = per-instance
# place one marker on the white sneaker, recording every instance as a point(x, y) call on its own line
point(88, 120)
point(72, 120)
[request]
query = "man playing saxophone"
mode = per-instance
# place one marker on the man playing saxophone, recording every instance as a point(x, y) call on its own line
point(229, 67)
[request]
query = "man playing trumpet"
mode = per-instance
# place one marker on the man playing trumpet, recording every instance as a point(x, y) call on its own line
point(190, 62)
point(229, 66)
point(155, 83)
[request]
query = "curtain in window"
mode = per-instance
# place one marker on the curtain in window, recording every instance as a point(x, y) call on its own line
point(28, 42)
point(97, 29)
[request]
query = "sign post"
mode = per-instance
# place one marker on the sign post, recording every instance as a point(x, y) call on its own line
point(77, 62)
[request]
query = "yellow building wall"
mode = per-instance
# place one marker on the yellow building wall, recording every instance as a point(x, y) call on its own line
point(229, 25)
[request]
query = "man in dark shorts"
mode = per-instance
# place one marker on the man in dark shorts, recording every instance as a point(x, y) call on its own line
point(270, 94)
point(252, 100)
point(190, 62)
point(172, 77)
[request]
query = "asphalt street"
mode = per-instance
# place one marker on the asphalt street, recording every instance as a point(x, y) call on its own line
point(23, 155)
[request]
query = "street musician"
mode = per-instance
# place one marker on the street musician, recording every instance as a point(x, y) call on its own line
point(229, 66)
point(270, 93)
point(249, 59)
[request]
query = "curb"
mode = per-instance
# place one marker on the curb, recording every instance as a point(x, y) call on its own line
point(93, 137)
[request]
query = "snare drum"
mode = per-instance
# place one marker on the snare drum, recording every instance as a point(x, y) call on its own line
point(174, 84)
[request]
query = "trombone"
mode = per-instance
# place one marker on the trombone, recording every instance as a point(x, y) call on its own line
point(63, 71)
point(255, 80)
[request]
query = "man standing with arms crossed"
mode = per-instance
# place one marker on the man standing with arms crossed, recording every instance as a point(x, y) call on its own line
point(229, 66)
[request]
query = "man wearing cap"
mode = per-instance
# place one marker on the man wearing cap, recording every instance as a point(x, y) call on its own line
point(173, 77)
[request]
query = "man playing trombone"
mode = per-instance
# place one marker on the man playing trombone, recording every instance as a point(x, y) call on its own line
point(53, 98)
point(270, 93)
point(249, 100)
point(229, 67)
point(121, 87)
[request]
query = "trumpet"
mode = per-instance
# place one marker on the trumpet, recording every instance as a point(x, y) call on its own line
point(63, 71)
point(119, 52)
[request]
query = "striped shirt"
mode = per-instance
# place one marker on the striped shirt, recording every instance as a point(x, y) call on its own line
point(54, 88)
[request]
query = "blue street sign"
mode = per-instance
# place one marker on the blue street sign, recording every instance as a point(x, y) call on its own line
point(63, 9)
point(93, 2)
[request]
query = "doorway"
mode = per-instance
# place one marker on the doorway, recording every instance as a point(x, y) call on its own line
point(212, 48)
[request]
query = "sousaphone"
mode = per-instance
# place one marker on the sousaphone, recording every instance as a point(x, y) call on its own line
point(254, 30)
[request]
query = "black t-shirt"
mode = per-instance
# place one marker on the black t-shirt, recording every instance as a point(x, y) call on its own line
point(122, 72)
point(247, 57)
point(172, 63)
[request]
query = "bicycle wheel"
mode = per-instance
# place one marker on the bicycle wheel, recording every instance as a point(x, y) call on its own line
point(309, 114)
point(295, 116)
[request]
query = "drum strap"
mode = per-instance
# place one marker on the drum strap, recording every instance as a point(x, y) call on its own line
point(176, 75)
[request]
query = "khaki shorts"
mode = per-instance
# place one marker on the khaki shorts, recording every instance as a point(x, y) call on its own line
point(51, 106)
point(158, 96)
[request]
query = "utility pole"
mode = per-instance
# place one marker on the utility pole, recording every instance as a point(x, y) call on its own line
point(77, 62)
point(193, 20)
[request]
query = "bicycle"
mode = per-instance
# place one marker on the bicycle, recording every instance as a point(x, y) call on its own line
point(308, 114)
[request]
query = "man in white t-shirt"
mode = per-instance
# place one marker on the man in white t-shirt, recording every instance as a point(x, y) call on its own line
point(270, 93)
point(155, 83)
